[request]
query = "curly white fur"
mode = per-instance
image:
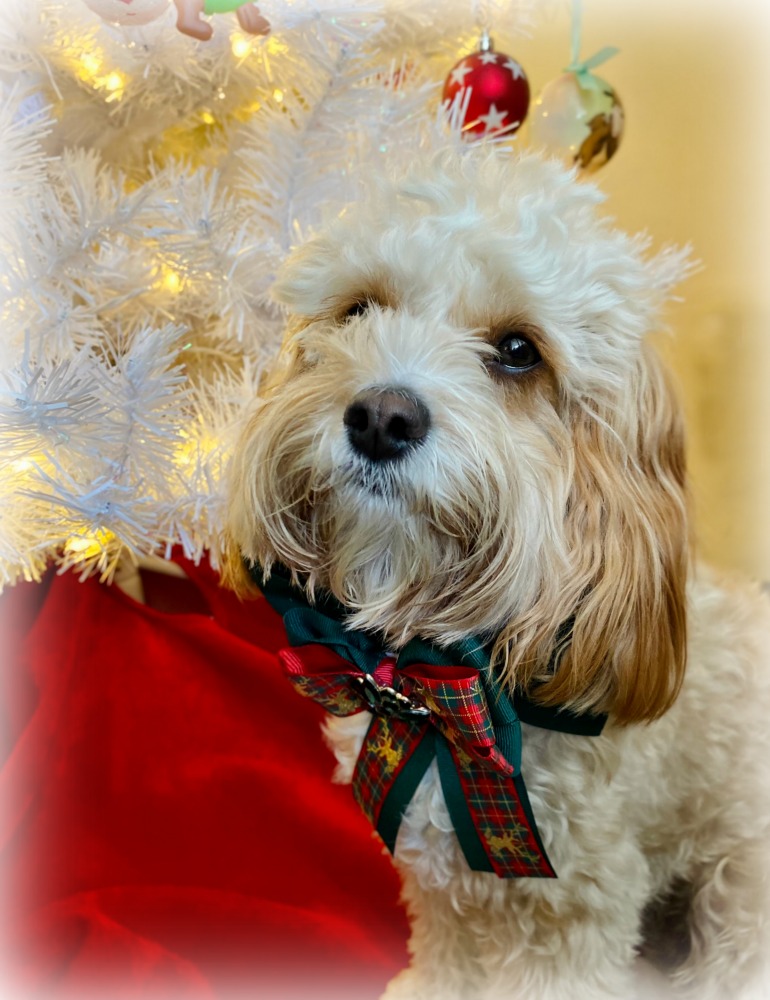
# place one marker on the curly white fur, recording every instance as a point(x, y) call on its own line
point(534, 497)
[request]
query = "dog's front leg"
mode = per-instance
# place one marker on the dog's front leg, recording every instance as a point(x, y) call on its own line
point(445, 963)
point(483, 938)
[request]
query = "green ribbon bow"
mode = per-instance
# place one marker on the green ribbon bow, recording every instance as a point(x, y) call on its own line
point(305, 625)
point(489, 808)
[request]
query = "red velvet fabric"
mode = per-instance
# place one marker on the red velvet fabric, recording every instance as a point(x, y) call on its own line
point(169, 825)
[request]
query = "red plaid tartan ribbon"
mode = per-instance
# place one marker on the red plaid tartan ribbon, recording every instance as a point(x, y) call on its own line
point(419, 712)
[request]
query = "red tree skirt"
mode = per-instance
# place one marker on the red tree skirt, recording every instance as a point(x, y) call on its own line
point(169, 825)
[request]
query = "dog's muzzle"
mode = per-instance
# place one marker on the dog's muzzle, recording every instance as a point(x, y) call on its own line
point(383, 424)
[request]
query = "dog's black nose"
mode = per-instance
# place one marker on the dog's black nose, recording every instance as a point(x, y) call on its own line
point(384, 423)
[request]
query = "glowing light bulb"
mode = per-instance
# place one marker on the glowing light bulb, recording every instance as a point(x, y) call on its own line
point(278, 95)
point(275, 47)
point(22, 465)
point(79, 544)
point(115, 81)
point(87, 546)
point(90, 63)
point(207, 118)
point(169, 279)
point(194, 451)
point(172, 282)
point(241, 46)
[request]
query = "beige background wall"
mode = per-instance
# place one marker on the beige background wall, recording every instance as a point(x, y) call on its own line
point(694, 166)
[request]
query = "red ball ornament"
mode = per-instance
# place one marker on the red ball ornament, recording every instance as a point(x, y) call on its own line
point(490, 93)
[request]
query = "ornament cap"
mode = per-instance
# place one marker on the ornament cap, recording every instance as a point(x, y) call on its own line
point(582, 68)
point(486, 44)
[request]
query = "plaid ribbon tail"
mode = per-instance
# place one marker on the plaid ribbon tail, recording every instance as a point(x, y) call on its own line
point(395, 756)
point(492, 816)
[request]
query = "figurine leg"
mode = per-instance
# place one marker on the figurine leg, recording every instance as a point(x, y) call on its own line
point(252, 21)
point(189, 20)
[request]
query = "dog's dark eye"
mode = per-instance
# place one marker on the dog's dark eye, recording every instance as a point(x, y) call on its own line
point(357, 308)
point(517, 354)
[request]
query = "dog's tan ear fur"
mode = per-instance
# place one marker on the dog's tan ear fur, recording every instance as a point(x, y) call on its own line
point(627, 533)
point(232, 570)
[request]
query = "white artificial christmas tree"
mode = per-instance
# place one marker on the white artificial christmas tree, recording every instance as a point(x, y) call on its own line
point(150, 186)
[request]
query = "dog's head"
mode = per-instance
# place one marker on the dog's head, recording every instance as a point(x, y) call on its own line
point(464, 432)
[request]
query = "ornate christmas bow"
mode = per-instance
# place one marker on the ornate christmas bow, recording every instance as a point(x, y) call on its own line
point(427, 704)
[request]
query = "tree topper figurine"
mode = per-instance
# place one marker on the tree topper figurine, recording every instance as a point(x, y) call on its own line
point(190, 22)
point(189, 14)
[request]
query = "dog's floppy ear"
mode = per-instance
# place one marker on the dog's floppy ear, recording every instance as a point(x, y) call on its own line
point(627, 533)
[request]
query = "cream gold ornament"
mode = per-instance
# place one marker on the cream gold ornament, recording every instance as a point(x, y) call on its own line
point(578, 116)
point(580, 123)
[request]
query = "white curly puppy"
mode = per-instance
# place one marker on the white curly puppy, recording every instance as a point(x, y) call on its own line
point(465, 434)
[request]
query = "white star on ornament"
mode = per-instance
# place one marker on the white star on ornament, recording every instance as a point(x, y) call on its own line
point(487, 58)
point(493, 119)
point(516, 71)
point(458, 73)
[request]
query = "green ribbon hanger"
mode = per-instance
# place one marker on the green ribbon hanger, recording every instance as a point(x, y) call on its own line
point(582, 67)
